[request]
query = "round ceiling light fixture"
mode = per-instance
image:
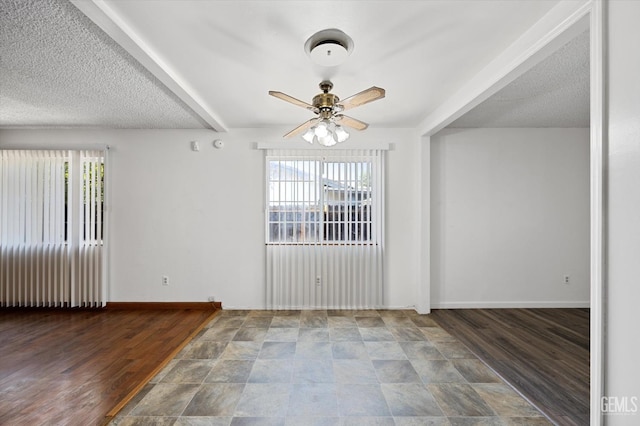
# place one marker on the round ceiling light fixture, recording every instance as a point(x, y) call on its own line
point(329, 47)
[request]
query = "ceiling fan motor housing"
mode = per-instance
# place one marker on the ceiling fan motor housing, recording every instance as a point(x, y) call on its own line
point(325, 102)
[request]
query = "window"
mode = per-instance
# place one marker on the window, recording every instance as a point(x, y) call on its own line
point(52, 228)
point(312, 200)
point(324, 229)
point(92, 198)
point(92, 204)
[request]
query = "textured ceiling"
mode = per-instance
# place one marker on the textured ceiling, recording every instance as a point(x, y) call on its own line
point(58, 69)
point(554, 93)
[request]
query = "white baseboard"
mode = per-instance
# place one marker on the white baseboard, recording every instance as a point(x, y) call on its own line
point(262, 308)
point(452, 305)
point(499, 305)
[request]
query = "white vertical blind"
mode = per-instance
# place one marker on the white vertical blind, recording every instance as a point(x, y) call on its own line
point(325, 229)
point(51, 240)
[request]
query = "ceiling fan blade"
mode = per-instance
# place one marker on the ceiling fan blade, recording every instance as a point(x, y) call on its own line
point(304, 126)
point(292, 100)
point(371, 94)
point(350, 122)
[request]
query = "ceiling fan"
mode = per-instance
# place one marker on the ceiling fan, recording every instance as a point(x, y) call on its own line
point(326, 129)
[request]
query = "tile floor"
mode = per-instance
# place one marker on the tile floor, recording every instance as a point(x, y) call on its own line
point(321, 368)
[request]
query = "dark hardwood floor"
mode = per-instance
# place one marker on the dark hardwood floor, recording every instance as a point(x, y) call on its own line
point(543, 353)
point(72, 367)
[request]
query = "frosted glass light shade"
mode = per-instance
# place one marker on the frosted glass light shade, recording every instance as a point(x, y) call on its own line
point(322, 129)
point(341, 134)
point(309, 134)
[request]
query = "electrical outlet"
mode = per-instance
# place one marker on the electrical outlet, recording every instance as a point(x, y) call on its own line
point(318, 281)
point(211, 298)
point(567, 279)
point(165, 280)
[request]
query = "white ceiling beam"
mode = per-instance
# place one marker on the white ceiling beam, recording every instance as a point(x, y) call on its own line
point(561, 24)
point(105, 18)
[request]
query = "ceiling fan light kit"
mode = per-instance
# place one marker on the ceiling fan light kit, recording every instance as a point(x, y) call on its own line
point(329, 48)
point(326, 133)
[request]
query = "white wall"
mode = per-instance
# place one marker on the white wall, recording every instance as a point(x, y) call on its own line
point(622, 302)
point(198, 217)
point(509, 218)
